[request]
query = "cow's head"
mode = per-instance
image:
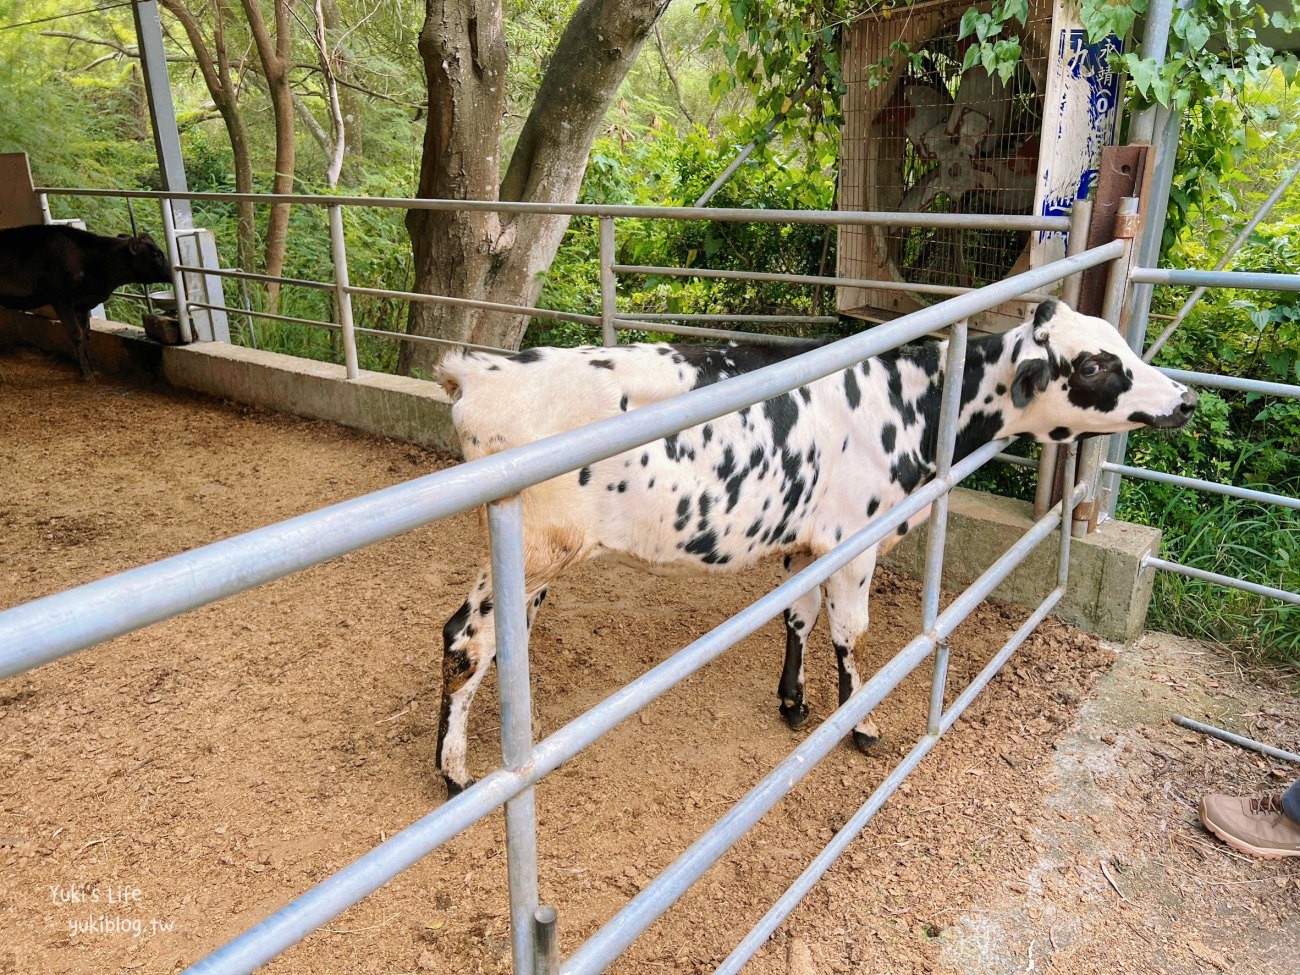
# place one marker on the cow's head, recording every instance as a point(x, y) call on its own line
point(1075, 374)
point(147, 261)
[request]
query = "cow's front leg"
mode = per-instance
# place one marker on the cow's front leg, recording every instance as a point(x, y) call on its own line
point(468, 648)
point(799, 621)
point(847, 594)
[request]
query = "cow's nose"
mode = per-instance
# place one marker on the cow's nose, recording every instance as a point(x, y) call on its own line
point(1188, 404)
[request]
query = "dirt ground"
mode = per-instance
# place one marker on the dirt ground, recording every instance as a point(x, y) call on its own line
point(161, 793)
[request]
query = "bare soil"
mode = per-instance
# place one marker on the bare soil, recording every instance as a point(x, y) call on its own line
point(161, 793)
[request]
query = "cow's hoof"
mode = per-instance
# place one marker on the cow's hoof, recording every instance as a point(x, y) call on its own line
point(455, 788)
point(794, 714)
point(864, 741)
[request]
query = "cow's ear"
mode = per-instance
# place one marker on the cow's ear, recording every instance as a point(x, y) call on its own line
point(1032, 376)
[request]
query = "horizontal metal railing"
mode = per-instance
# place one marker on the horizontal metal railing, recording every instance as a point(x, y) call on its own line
point(1113, 471)
point(611, 322)
point(57, 625)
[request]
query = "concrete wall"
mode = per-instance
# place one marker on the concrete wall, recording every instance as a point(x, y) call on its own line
point(391, 406)
point(1109, 589)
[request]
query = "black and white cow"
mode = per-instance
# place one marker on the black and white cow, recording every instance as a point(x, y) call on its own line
point(791, 476)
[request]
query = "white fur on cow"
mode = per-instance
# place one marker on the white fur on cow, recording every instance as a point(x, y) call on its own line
point(791, 476)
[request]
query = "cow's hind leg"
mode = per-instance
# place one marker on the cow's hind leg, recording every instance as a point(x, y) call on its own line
point(847, 595)
point(469, 647)
point(799, 621)
point(77, 323)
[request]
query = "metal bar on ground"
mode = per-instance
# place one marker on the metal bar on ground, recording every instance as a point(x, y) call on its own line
point(1196, 484)
point(342, 297)
point(1212, 731)
point(1253, 588)
point(506, 531)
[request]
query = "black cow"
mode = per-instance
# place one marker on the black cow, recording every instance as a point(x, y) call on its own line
point(73, 271)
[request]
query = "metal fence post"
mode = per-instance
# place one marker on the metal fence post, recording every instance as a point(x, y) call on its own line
point(505, 524)
point(608, 283)
point(1049, 454)
point(548, 949)
point(949, 411)
point(342, 294)
point(178, 277)
point(1127, 223)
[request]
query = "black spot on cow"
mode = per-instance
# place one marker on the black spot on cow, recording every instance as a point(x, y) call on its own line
point(713, 362)
point(584, 477)
point(889, 437)
point(602, 363)
point(902, 529)
point(980, 429)
point(707, 433)
point(645, 459)
point(805, 394)
point(907, 471)
point(1000, 389)
point(981, 354)
point(782, 412)
point(851, 391)
point(1045, 312)
point(622, 404)
point(493, 368)
point(754, 529)
point(622, 487)
point(873, 506)
point(526, 356)
point(705, 545)
point(683, 513)
point(1060, 433)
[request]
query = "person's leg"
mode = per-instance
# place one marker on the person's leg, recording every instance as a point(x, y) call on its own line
point(1291, 802)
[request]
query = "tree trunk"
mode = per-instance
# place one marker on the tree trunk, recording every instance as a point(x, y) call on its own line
point(500, 257)
point(214, 65)
point(273, 53)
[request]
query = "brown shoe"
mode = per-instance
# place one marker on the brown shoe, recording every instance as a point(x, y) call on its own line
point(1257, 826)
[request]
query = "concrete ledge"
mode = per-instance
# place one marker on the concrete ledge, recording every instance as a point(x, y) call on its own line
point(391, 406)
point(1109, 589)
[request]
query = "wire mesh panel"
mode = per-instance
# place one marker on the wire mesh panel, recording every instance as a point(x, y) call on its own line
point(922, 137)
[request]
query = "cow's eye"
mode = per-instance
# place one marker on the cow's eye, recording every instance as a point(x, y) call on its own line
point(1090, 369)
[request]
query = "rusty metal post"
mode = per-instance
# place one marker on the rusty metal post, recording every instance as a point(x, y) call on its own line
point(1127, 224)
